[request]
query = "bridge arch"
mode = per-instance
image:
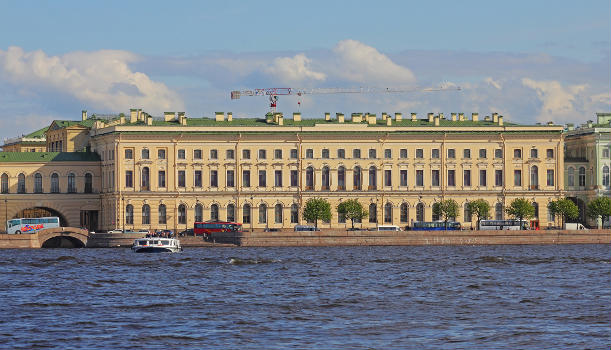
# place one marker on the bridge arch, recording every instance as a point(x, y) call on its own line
point(63, 237)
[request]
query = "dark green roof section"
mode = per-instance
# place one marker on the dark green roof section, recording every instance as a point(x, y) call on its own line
point(37, 157)
point(38, 133)
point(86, 123)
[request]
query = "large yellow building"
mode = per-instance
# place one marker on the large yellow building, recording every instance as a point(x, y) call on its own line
point(167, 173)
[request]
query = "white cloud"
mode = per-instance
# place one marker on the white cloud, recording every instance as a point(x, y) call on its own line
point(559, 103)
point(100, 79)
point(494, 83)
point(293, 69)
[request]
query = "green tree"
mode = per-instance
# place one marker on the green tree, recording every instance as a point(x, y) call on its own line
point(521, 208)
point(600, 207)
point(479, 208)
point(446, 209)
point(351, 209)
point(317, 209)
point(565, 208)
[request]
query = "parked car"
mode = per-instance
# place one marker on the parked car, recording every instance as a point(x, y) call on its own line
point(306, 228)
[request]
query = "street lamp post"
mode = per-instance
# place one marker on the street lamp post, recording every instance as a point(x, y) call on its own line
point(250, 213)
point(123, 210)
point(6, 214)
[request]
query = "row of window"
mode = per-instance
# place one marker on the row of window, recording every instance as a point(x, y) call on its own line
point(38, 185)
point(341, 178)
point(581, 176)
point(341, 153)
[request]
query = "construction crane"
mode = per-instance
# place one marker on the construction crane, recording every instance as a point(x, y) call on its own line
point(273, 93)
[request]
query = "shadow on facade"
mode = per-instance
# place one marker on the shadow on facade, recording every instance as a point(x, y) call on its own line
point(582, 209)
point(63, 242)
point(40, 212)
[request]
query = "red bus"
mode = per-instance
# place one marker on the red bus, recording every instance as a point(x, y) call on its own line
point(207, 228)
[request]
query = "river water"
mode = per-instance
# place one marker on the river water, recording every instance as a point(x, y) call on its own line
point(444, 297)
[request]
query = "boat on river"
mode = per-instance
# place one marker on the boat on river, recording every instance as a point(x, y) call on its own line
point(156, 245)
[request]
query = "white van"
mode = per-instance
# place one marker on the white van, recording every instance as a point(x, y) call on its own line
point(388, 228)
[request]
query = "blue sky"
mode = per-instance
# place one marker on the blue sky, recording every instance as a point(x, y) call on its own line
point(529, 60)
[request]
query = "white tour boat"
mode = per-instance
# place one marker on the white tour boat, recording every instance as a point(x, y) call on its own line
point(156, 245)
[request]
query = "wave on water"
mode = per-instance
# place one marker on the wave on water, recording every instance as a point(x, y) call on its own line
point(490, 259)
point(239, 261)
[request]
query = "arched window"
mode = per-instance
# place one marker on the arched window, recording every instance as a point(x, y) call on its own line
point(54, 183)
point(4, 183)
point(536, 206)
point(309, 178)
point(357, 177)
point(146, 214)
point(129, 214)
point(498, 211)
point(606, 176)
point(435, 212)
point(246, 213)
point(582, 176)
point(278, 213)
point(420, 212)
point(404, 211)
point(21, 183)
point(199, 212)
point(373, 172)
point(214, 212)
point(182, 214)
point(37, 183)
point(88, 183)
point(571, 177)
point(341, 178)
point(71, 183)
point(388, 213)
point(145, 184)
point(325, 178)
point(262, 214)
point(294, 214)
point(230, 212)
point(534, 177)
point(373, 213)
point(468, 216)
point(162, 214)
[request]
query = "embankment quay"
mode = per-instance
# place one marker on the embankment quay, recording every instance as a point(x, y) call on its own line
point(72, 237)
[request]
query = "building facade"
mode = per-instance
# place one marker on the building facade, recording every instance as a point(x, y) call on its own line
point(168, 173)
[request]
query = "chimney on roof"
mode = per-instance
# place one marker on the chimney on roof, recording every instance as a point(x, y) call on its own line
point(340, 117)
point(487, 118)
point(296, 117)
point(384, 115)
point(500, 120)
point(436, 120)
point(219, 116)
point(441, 116)
point(133, 115)
point(280, 119)
point(453, 117)
point(182, 119)
point(495, 118)
point(371, 119)
point(356, 117)
point(461, 117)
point(229, 116)
point(84, 114)
point(327, 116)
point(430, 115)
point(149, 120)
point(570, 126)
point(414, 116)
point(398, 117)
point(475, 117)
point(589, 123)
point(388, 121)
point(169, 116)
point(550, 123)
point(140, 115)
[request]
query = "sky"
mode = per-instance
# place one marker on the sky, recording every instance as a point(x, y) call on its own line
point(530, 61)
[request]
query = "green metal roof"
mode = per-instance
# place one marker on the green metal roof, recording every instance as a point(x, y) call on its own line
point(38, 133)
point(67, 123)
point(38, 157)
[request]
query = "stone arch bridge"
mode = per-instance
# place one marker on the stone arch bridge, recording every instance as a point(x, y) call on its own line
point(62, 237)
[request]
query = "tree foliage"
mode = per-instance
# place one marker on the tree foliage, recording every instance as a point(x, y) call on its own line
point(565, 208)
point(599, 207)
point(317, 209)
point(352, 210)
point(479, 208)
point(521, 208)
point(446, 209)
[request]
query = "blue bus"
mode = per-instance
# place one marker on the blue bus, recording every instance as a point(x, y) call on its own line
point(435, 226)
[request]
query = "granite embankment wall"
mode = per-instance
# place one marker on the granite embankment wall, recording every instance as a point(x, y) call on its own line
point(117, 240)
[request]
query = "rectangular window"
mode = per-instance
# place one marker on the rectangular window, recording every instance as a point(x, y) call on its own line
point(246, 154)
point(262, 154)
point(309, 153)
point(197, 178)
point(517, 177)
point(466, 178)
point(419, 153)
point(246, 178)
point(197, 154)
point(452, 177)
point(278, 178)
point(388, 178)
point(605, 152)
point(550, 153)
point(388, 153)
point(451, 153)
point(129, 154)
point(293, 153)
point(435, 178)
point(403, 176)
point(356, 153)
point(181, 178)
point(325, 153)
point(435, 153)
point(277, 154)
point(550, 177)
point(214, 178)
point(498, 153)
point(403, 153)
point(341, 153)
point(372, 154)
point(161, 178)
point(294, 178)
point(161, 154)
point(181, 154)
point(420, 178)
point(262, 178)
point(482, 153)
point(230, 178)
point(482, 177)
point(498, 177)
point(517, 153)
point(534, 153)
point(229, 154)
point(466, 153)
point(214, 154)
point(129, 178)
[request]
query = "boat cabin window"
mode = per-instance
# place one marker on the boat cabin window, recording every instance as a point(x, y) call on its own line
point(164, 242)
point(141, 242)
